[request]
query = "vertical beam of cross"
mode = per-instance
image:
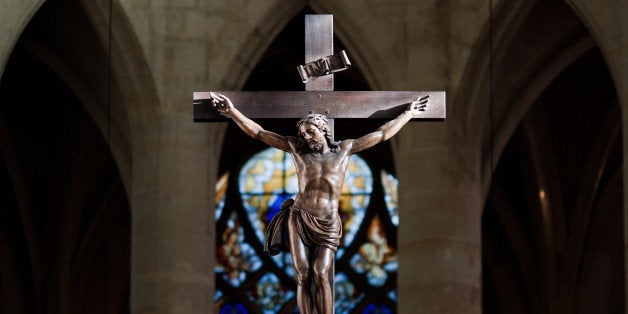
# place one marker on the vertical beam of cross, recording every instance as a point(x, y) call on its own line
point(319, 43)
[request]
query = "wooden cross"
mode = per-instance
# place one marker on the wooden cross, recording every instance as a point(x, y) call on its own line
point(319, 96)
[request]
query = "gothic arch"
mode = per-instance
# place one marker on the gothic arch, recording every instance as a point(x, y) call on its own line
point(258, 41)
point(518, 77)
point(15, 27)
point(557, 184)
point(64, 218)
point(602, 19)
point(133, 93)
point(544, 46)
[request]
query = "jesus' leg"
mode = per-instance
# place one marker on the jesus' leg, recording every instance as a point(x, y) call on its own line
point(322, 266)
point(301, 262)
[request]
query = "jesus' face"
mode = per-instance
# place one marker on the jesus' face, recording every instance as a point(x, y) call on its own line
point(313, 136)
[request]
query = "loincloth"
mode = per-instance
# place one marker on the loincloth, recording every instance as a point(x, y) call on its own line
point(311, 230)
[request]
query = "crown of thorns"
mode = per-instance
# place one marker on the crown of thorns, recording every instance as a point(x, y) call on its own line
point(316, 119)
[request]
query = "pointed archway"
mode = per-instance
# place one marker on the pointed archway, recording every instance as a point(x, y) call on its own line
point(554, 208)
point(66, 216)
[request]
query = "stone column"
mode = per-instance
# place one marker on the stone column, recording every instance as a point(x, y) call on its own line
point(188, 46)
point(440, 217)
point(173, 168)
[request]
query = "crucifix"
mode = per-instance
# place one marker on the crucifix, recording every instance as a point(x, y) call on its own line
point(311, 219)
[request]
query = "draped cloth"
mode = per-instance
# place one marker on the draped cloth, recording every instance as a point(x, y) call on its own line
point(311, 230)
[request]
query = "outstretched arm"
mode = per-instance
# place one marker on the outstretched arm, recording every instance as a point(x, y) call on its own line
point(389, 129)
point(254, 130)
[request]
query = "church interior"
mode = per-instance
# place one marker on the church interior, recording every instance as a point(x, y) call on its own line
point(113, 200)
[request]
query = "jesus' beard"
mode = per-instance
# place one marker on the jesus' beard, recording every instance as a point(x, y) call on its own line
point(315, 146)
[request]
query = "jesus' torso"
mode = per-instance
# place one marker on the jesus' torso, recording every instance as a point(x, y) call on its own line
point(320, 178)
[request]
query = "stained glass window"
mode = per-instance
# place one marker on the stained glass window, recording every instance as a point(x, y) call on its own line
point(247, 280)
point(390, 184)
point(375, 258)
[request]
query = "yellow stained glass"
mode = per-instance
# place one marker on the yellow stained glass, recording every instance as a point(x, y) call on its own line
point(358, 178)
point(259, 201)
point(345, 202)
point(221, 187)
point(391, 197)
point(359, 182)
point(275, 183)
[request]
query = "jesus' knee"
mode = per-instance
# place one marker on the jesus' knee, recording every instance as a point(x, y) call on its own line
point(302, 275)
point(321, 276)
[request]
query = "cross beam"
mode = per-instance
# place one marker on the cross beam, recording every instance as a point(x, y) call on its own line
point(336, 105)
point(319, 96)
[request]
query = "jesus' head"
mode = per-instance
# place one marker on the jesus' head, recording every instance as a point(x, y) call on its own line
point(320, 122)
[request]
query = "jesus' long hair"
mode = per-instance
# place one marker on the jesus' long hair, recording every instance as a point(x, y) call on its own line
point(319, 121)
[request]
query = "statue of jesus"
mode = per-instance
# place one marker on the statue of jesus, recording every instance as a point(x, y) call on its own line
point(312, 220)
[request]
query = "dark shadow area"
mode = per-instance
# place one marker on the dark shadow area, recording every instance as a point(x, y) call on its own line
point(552, 229)
point(65, 219)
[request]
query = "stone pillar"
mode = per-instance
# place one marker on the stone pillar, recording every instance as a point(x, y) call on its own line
point(188, 46)
point(440, 216)
point(173, 168)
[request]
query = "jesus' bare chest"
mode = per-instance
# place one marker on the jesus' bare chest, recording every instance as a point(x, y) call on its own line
point(323, 172)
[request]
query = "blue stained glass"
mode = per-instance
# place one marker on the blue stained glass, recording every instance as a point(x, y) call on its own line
point(270, 294)
point(233, 308)
point(340, 252)
point(391, 184)
point(377, 309)
point(284, 261)
point(219, 208)
point(375, 274)
point(345, 294)
point(217, 295)
point(393, 295)
point(276, 206)
point(392, 266)
point(356, 191)
point(292, 184)
point(358, 179)
point(354, 225)
point(256, 212)
point(265, 181)
point(357, 262)
point(268, 172)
